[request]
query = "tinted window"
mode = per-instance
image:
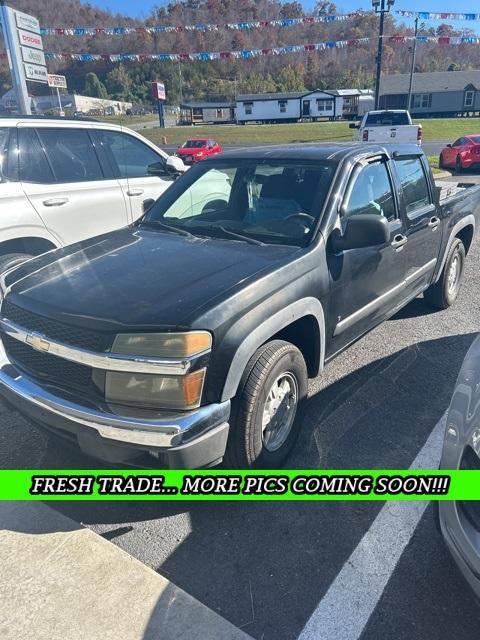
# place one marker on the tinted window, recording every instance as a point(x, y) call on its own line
point(457, 143)
point(387, 119)
point(32, 162)
point(414, 183)
point(475, 139)
point(131, 156)
point(71, 154)
point(194, 144)
point(371, 192)
point(272, 201)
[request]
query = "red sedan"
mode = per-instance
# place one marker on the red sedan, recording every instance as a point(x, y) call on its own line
point(196, 149)
point(464, 153)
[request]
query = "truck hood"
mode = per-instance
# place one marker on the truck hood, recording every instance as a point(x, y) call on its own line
point(138, 278)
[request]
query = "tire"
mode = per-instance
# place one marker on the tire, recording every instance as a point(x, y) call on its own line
point(444, 292)
point(458, 165)
point(12, 260)
point(441, 162)
point(277, 365)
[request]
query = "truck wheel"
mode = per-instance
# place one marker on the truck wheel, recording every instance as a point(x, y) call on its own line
point(444, 292)
point(266, 413)
point(13, 260)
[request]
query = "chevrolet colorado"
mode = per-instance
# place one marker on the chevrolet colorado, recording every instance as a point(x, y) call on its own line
point(189, 336)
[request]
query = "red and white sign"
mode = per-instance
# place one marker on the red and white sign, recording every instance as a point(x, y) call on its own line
point(158, 90)
point(60, 82)
point(28, 39)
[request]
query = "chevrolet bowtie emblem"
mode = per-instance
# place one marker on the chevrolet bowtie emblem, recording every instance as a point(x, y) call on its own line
point(37, 342)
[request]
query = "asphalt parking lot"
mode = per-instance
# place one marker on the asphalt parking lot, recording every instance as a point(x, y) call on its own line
point(360, 569)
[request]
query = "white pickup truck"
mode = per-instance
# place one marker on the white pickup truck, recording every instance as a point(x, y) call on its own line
point(387, 126)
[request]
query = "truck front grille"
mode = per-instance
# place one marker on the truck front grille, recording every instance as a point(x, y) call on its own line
point(47, 367)
point(54, 330)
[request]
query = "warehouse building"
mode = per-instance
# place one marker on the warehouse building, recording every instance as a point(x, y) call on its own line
point(441, 93)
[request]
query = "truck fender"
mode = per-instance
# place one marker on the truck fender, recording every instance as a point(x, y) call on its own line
point(461, 224)
point(266, 330)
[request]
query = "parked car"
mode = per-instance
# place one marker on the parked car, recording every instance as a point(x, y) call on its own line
point(190, 336)
point(460, 520)
point(464, 153)
point(63, 181)
point(196, 149)
point(388, 126)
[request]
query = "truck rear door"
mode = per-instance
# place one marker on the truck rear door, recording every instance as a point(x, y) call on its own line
point(423, 229)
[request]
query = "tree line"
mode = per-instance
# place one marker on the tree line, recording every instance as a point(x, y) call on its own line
point(351, 67)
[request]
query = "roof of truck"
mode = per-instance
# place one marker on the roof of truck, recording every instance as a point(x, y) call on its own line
point(327, 151)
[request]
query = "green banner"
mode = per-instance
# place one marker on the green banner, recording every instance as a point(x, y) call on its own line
point(46, 484)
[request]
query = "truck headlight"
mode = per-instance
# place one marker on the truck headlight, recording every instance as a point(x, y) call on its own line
point(162, 391)
point(155, 391)
point(163, 345)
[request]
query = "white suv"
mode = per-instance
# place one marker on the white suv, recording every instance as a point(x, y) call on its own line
point(62, 181)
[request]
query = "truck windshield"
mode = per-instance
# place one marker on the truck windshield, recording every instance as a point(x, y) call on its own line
point(387, 119)
point(271, 202)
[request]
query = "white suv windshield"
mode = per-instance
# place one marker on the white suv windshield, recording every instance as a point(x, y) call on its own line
point(271, 202)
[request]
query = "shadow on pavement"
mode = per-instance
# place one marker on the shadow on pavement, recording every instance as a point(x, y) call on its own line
point(265, 566)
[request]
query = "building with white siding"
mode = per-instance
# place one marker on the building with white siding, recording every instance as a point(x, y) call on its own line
point(288, 107)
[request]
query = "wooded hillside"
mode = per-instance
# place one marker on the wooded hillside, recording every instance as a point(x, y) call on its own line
point(334, 69)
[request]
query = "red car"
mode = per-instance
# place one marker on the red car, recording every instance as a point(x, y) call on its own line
point(196, 149)
point(464, 153)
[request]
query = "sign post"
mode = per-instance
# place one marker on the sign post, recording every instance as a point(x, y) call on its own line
point(58, 82)
point(24, 46)
point(158, 92)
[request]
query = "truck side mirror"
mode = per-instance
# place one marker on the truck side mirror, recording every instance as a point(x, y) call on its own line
point(362, 230)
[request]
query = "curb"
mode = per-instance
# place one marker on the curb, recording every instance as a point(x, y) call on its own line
point(61, 581)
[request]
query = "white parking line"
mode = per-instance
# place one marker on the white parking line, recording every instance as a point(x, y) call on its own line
point(352, 597)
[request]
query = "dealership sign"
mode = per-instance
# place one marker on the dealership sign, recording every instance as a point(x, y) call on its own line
point(34, 56)
point(60, 82)
point(36, 73)
point(30, 39)
point(24, 21)
point(158, 90)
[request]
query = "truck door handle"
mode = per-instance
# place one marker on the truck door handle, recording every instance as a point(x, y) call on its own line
point(55, 202)
point(434, 222)
point(135, 192)
point(399, 240)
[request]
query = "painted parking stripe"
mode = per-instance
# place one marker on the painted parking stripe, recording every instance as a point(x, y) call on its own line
point(352, 597)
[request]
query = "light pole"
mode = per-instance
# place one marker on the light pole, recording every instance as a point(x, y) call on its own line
point(412, 68)
point(382, 7)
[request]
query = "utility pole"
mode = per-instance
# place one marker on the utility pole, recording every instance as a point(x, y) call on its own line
point(180, 81)
point(382, 7)
point(412, 68)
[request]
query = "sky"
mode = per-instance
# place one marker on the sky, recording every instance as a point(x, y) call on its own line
point(141, 8)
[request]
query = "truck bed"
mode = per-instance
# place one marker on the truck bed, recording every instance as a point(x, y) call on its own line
point(450, 189)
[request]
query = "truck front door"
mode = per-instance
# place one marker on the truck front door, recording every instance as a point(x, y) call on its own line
point(366, 283)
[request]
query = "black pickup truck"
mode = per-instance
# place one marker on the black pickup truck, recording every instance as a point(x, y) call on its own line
point(189, 337)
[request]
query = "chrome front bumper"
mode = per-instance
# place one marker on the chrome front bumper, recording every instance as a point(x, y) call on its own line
point(136, 429)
